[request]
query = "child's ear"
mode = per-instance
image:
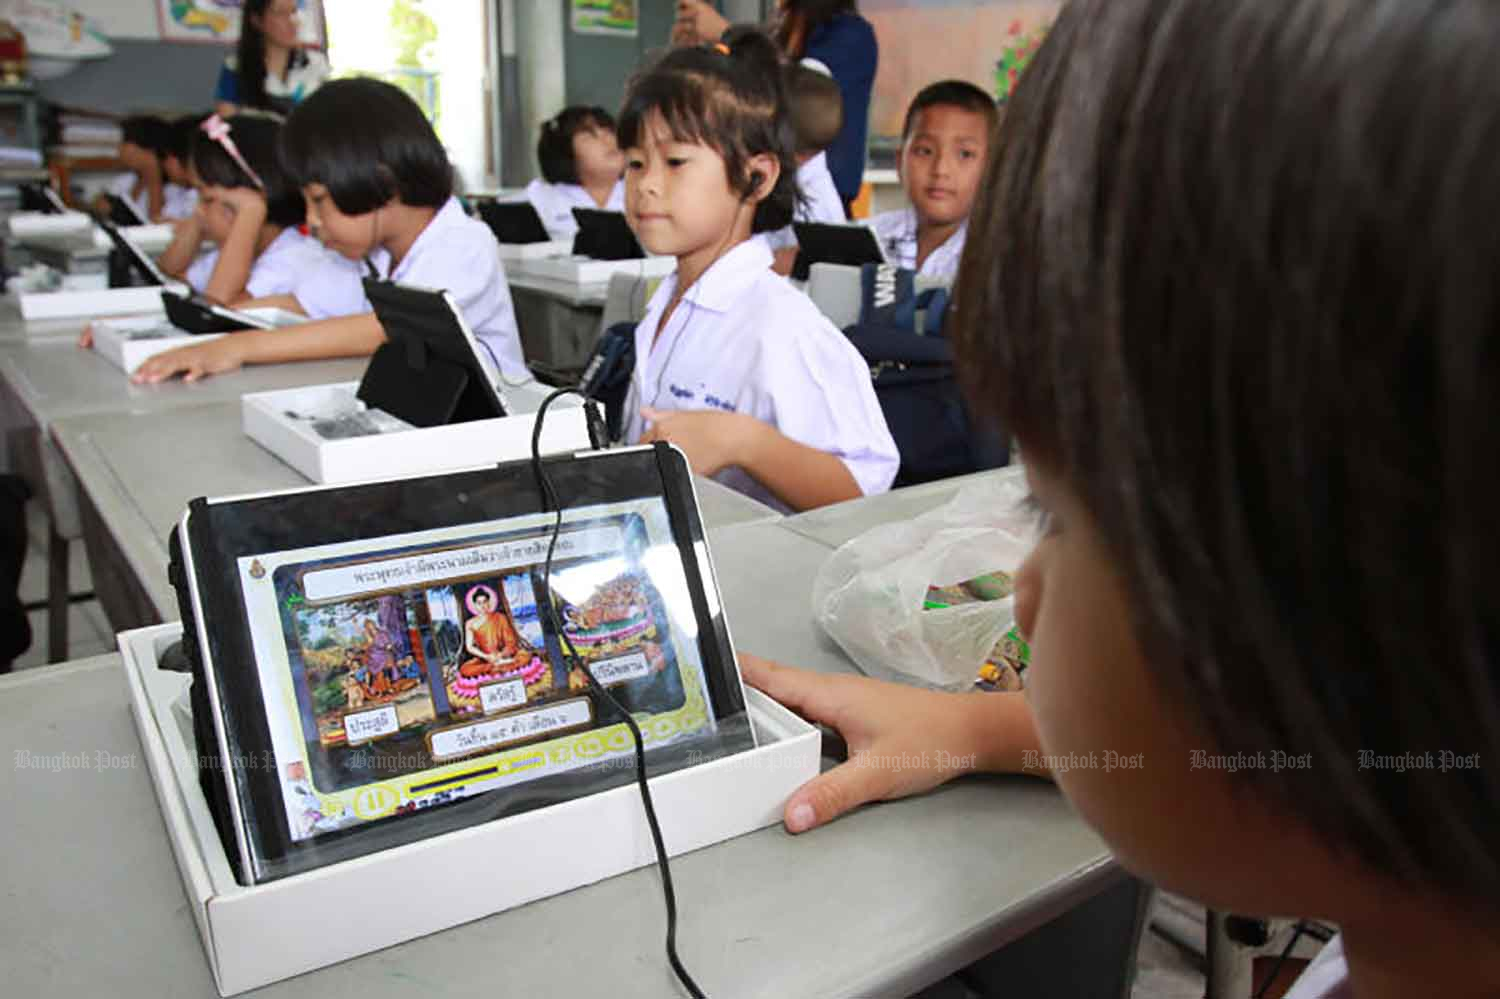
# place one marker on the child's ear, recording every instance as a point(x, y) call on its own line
point(761, 174)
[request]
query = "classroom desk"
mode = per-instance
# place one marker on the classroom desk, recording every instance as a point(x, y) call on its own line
point(45, 379)
point(558, 321)
point(834, 525)
point(879, 903)
point(132, 491)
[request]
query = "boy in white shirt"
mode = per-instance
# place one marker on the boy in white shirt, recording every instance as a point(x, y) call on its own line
point(944, 143)
point(581, 165)
point(816, 110)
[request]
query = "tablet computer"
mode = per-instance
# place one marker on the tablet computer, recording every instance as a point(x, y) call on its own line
point(513, 221)
point(605, 236)
point(122, 212)
point(138, 261)
point(372, 664)
point(196, 314)
point(39, 197)
point(822, 243)
point(432, 370)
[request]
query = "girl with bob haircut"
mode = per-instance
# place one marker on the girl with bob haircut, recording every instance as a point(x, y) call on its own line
point(734, 365)
point(379, 192)
point(1228, 285)
point(581, 165)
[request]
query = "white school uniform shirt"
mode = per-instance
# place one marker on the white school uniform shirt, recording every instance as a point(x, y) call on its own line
point(897, 234)
point(454, 253)
point(178, 202)
point(201, 270)
point(555, 204)
point(1326, 977)
point(283, 265)
point(122, 187)
point(744, 340)
point(822, 202)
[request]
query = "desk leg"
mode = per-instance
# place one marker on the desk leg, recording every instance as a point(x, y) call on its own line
point(1230, 963)
point(57, 597)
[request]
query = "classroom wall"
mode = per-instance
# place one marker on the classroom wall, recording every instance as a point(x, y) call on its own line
point(597, 66)
point(142, 76)
point(121, 18)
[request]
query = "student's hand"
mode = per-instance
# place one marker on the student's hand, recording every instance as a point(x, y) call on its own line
point(244, 201)
point(711, 439)
point(86, 338)
point(698, 23)
point(192, 363)
point(887, 726)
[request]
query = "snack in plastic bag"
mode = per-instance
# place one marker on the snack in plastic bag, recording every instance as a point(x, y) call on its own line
point(1005, 667)
point(872, 594)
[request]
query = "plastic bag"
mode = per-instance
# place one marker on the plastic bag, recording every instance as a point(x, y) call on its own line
point(871, 594)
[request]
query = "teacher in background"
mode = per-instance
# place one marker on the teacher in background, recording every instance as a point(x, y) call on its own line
point(269, 71)
point(830, 31)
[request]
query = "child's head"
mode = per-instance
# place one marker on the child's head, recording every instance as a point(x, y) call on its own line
point(1234, 301)
point(143, 142)
point(177, 160)
point(707, 143)
point(254, 138)
point(356, 145)
point(943, 144)
point(578, 146)
point(816, 107)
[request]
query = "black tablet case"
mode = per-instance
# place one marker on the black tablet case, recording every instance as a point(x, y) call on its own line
point(425, 373)
point(822, 243)
point(126, 258)
point(513, 221)
point(605, 236)
point(575, 483)
point(193, 316)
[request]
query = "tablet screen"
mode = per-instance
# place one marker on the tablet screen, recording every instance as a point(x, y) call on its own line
point(420, 669)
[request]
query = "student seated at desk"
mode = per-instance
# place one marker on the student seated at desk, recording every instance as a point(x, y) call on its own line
point(581, 164)
point(1252, 382)
point(734, 365)
point(943, 144)
point(180, 192)
point(143, 147)
point(816, 109)
point(250, 209)
point(379, 190)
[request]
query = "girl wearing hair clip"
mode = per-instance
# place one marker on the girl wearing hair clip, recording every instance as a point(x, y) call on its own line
point(581, 166)
point(379, 191)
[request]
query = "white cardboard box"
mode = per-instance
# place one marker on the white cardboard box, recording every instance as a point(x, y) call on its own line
point(119, 340)
point(260, 934)
point(406, 452)
point(510, 252)
point(87, 304)
point(151, 239)
point(583, 270)
point(25, 224)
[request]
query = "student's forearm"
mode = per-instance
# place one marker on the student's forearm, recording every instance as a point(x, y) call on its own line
point(802, 477)
point(1002, 731)
point(155, 197)
point(347, 336)
point(236, 257)
point(179, 254)
point(287, 303)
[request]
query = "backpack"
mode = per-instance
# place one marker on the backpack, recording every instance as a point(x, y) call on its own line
point(900, 336)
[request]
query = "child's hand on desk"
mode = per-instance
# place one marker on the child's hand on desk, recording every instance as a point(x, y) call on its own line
point(192, 363)
point(711, 439)
point(86, 338)
point(890, 730)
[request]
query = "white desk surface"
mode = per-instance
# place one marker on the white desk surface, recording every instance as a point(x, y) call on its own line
point(13, 327)
point(881, 902)
point(575, 295)
point(842, 522)
point(141, 487)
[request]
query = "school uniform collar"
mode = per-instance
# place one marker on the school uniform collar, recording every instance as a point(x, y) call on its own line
point(813, 167)
point(722, 284)
point(446, 216)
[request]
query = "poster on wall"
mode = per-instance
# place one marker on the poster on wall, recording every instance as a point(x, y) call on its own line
point(987, 42)
point(605, 17)
point(219, 21)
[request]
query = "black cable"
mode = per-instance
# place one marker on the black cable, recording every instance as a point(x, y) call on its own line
point(1286, 952)
point(549, 497)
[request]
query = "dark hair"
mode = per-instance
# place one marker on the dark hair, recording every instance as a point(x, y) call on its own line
point(250, 57)
point(367, 142)
point(950, 94)
point(816, 107)
point(255, 137)
point(732, 103)
point(181, 133)
point(554, 149)
point(802, 18)
point(147, 131)
point(1230, 278)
